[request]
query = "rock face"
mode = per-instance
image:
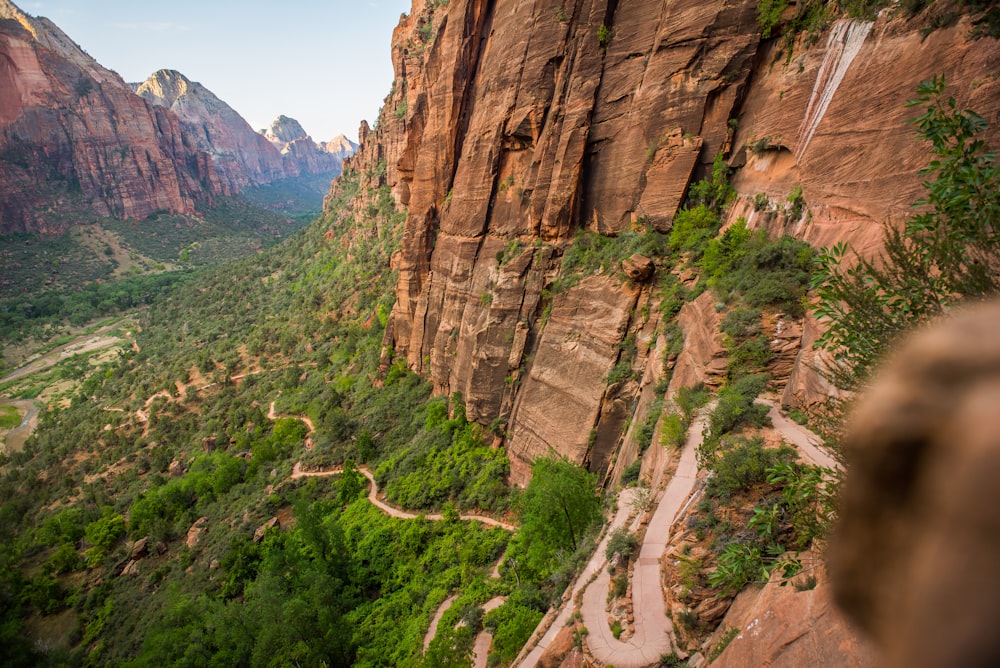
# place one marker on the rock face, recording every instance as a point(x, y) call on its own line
point(512, 126)
point(777, 627)
point(239, 155)
point(77, 142)
point(75, 139)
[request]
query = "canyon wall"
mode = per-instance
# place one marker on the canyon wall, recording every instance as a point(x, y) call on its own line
point(76, 141)
point(513, 126)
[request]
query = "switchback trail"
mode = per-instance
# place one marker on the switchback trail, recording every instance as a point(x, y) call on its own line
point(652, 635)
point(392, 511)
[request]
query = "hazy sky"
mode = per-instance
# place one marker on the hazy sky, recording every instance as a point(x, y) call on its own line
point(325, 63)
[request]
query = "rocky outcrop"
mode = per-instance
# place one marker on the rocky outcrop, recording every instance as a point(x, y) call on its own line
point(512, 126)
point(75, 141)
point(777, 626)
point(239, 155)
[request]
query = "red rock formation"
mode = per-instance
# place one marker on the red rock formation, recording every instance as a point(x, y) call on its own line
point(77, 141)
point(513, 125)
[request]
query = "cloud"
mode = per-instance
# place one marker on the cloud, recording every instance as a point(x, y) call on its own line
point(153, 26)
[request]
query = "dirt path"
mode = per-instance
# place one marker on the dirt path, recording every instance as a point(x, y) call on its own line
point(433, 628)
point(392, 511)
point(481, 648)
point(15, 437)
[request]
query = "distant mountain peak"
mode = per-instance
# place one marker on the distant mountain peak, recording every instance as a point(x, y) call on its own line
point(284, 130)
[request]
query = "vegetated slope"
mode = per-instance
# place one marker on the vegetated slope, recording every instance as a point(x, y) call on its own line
point(163, 503)
point(517, 126)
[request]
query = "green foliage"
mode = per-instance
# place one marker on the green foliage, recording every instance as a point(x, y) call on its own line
point(738, 565)
point(512, 625)
point(693, 229)
point(631, 472)
point(769, 14)
point(102, 534)
point(765, 272)
point(558, 508)
point(621, 543)
point(742, 322)
point(736, 407)
point(690, 398)
point(809, 495)
point(30, 315)
point(797, 204)
point(10, 417)
point(603, 36)
point(592, 253)
point(673, 430)
point(559, 504)
point(740, 463)
point(714, 193)
point(945, 254)
point(448, 460)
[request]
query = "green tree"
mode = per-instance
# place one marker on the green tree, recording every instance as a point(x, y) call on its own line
point(947, 253)
point(559, 504)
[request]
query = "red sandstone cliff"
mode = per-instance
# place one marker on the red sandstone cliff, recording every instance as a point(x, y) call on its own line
point(527, 121)
point(75, 140)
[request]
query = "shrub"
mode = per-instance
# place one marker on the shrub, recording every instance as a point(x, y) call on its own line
point(742, 322)
point(621, 543)
point(631, 472)
point(736, 406)
point(741, 463)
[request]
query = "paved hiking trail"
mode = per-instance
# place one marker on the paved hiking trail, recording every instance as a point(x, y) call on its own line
point(596, 562)
point(807, 443)
point(652, 635)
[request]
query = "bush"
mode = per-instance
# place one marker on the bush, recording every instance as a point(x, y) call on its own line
point(741, 463)
point(512, 625)
point(631, 472)
point(736, 406)
point(621, 543)
point(693, 229)
point(742, 322)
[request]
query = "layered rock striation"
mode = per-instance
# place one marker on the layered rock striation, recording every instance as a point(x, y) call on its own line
point(513, 126)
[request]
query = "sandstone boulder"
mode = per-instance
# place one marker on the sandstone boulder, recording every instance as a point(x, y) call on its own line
point(638, 268)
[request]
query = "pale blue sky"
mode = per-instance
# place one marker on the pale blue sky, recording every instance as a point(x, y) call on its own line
point(325, 63)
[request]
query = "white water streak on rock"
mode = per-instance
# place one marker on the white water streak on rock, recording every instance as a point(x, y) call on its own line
point(842, 47)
